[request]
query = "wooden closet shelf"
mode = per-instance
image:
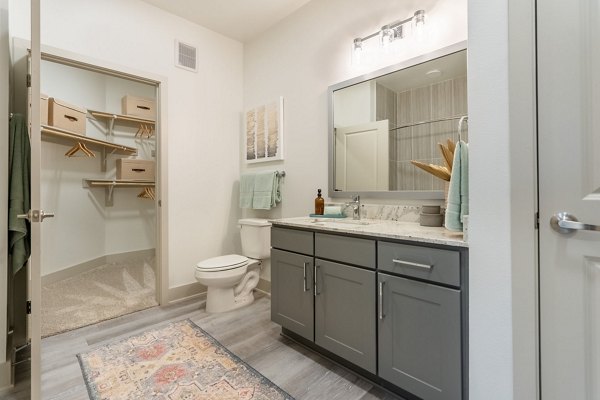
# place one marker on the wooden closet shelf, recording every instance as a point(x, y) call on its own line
point(110, 184)
point(57, 135)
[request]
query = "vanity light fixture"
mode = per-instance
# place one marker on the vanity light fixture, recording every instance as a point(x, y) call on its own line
point(391, 32)
point(357, 50)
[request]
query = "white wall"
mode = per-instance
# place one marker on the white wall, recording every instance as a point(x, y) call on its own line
point(300, 57)
point(203, 111)
point(502, 239)
point(304, 54)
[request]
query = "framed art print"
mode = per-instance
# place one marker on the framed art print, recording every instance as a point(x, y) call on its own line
point(264, 132)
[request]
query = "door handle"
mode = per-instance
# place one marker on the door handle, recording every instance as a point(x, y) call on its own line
point(35, 215)
point(44, 215)
point(315, 281)
point(381, 316)
point(565, 223)
point(305, 288)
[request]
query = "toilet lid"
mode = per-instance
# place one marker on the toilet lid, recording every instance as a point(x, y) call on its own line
point(221, 263)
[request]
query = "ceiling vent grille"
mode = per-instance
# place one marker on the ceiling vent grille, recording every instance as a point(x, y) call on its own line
point(185, 56)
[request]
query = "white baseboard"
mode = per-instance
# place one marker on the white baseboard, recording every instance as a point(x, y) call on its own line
point(91, 264)
point(196, 290)
point(6, 378)
point(186, 292)
point(264, 286)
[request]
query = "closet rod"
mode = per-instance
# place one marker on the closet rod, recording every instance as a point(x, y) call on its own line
point(429, 122)
point(92, 183)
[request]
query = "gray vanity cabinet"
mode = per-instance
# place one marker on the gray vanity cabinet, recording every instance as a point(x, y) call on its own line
point(395, 310)
point(420, 337)
point(292, 292)
point(345, 312)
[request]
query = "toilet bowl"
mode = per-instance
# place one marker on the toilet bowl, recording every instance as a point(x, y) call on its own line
point(231, 279)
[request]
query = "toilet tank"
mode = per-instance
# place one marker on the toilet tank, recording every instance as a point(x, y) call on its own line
point(256, 238)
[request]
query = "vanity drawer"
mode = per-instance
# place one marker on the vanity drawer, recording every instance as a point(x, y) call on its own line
point(345, 249)
point(436, 265)
point(292, 240)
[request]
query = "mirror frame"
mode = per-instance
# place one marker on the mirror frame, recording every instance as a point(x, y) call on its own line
point(397, 194)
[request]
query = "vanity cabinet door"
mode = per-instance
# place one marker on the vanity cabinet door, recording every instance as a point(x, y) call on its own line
point(292, 292)
point(420, 337)
point(345, 307)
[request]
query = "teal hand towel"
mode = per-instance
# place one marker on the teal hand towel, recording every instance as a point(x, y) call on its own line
point(464, 181)
point(19, 159)
point(458, 193)
point(246, 190)
point(266, 191)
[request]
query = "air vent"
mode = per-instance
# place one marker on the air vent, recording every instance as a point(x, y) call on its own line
point(185, 56)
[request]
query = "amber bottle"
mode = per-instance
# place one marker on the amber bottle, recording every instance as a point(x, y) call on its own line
point(319, 204)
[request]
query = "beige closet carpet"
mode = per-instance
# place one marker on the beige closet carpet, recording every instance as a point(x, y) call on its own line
point(105, 292)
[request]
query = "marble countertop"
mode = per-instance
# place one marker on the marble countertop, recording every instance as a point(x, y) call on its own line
point(410, 231)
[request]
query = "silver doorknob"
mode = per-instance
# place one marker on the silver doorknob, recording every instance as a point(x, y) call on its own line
point(35, 215)
point(565, 223)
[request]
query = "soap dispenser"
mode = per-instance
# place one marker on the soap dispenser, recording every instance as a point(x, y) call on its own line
point(319, 203)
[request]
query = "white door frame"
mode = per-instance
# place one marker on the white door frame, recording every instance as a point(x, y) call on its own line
point(77, 60)
point(523, 219)
point(503, 303)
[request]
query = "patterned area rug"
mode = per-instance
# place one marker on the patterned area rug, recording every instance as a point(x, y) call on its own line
point(177, 362)
point(102, 293)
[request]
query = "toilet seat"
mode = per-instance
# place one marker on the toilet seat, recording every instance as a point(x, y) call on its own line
point(222, 263)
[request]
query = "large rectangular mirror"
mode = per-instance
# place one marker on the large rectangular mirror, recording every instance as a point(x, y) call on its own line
point(379, 122)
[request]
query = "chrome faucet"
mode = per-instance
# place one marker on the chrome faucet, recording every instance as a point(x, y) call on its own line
point(355, 204)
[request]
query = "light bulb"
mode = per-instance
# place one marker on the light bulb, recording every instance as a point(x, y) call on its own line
point(386, 36)
point(419, 24)
point(357, 51)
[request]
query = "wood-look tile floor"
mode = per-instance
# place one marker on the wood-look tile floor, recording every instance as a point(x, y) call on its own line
point(248, 333)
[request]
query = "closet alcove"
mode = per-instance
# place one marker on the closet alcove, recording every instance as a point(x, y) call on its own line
point(99, 254)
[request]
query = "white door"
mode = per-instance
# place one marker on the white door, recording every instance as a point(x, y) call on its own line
point(362, 157)
point(35, 217)
point(569, 181)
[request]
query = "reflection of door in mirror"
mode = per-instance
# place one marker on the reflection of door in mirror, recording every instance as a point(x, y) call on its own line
point(362, 156)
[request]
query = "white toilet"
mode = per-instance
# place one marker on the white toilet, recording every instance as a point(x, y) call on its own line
point(230, 279)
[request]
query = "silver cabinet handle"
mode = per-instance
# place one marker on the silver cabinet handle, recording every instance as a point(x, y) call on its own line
point(315, 281)
point(305, 288)
point(563, 222)
point(412, 264)
point(381, 316)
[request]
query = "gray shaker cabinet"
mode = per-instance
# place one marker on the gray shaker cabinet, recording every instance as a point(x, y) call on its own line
point(345, 322)
point(394, 309)
point(420, 337)
point(292, 292)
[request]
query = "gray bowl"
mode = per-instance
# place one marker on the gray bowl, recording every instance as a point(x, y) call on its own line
point(431, 219)
point(430, 210)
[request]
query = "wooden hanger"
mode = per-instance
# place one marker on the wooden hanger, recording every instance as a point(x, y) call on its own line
point(144, 129)
point(147, 193)
point(79, 147)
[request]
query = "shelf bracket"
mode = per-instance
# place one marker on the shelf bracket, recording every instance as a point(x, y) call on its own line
point(104, 158)
point(111, 125)
point(108, 195)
